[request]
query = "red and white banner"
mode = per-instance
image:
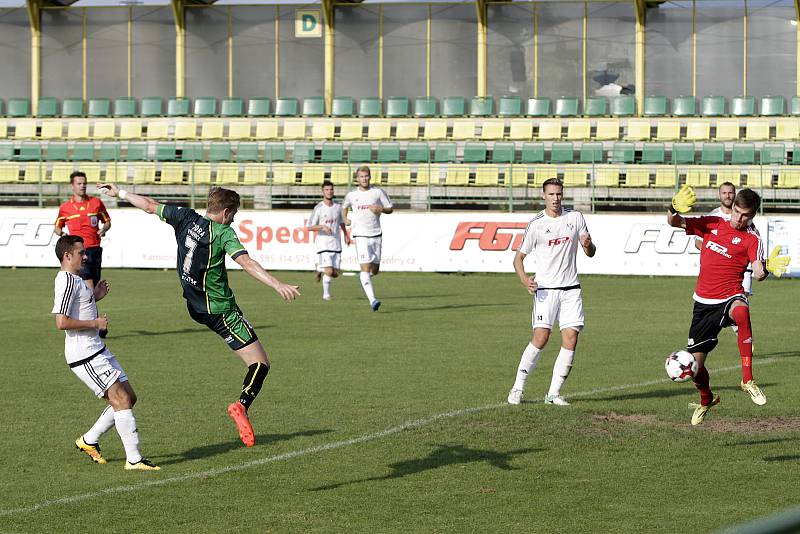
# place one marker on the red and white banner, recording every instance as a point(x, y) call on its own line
point(430, 242)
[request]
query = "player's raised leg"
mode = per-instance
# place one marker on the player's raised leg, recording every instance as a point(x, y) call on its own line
point(89, 442)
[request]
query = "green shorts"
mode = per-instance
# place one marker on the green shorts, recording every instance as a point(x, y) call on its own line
point(231, 326)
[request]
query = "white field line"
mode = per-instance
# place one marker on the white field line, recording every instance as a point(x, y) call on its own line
point(408, 425)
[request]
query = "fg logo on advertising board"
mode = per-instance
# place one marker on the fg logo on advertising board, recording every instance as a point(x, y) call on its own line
point(31, 232)
point(664, 239)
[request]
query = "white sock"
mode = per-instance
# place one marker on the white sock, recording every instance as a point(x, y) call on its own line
point(561, 371)
point(101, 426)
point(366, 283)
point(326, 285)
point(530, 356)
point(126, 428)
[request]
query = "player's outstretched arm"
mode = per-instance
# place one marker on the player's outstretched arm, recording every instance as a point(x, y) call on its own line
point(142, 202)
point(519, 267)
point(254, 269)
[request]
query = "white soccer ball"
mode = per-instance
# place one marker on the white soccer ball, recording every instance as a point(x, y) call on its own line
point(681, 366)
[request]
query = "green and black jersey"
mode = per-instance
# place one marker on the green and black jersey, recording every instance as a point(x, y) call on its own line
point(202, 246)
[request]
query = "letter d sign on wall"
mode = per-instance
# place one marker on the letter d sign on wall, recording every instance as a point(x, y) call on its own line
point(308, 23)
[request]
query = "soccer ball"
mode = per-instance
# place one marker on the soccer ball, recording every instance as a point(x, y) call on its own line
point(681, 366)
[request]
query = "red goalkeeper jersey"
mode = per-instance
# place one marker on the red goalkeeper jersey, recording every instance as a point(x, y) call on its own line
point(724, 258)
point(83, 218)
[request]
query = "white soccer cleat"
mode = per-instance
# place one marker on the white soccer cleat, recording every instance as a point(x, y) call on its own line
point(326, 297)
point(558, 400)
point(515, 396)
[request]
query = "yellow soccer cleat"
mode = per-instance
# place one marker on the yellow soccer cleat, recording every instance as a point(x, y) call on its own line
point(777, 265)
point(756, 395)
point(684, 199)
point(142, 465)
point(700, 411)
point(93, 451)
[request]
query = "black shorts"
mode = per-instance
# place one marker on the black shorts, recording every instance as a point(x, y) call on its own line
point(94, 263)
point(231, 326)
point(707, 321)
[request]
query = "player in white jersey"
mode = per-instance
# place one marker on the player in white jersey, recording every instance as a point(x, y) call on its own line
point(367, 204)
point(553, 237)
point(326, 220)
point(75, 310)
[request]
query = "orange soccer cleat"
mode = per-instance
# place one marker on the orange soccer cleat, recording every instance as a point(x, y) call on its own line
point(239, 414)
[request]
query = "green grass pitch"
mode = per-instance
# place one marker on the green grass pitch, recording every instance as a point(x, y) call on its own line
point(396, 421)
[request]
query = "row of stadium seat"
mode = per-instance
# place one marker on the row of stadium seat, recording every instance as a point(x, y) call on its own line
point(452, 106)
point(413, 152)
point(518, 175)
point(408, 129)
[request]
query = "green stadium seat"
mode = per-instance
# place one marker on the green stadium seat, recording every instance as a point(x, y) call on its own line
point(275, 152)
point(247, 152)
point(57, 151)
point(445, 152)
point(682, 153)
point(19, 107)
point(232, 107)
point(772, 106)
point(475, 152)
point(655, 106)
point(303, 153)
point(178, 107)
point(370, 106)
point(109, 151)
point(152, 106)
point(343, 106)
point(219, 152)
point(332, 152)
point(712, 154)
point(99, 107)
point(713, 106)
point(566, 106)
point(425, 106)
point(743, 106)
point(48, 107)
point(286, 107)
point(623, 153)
point(205, 106)
point(192, 151)
point(137, 151)
point(794, 106)
point(313, 106)
point(481, 106)
point(166, 152)
point(538, 107)
point(774, 153)
point(418, 152)
point(562, 153)
point(592, 153)
point(388, 152)
point(359, 153)
point(743, 154)
point(532, 153)
point(6, 151)
point(623, 106)
point(83, 151)
point(795, 160)
point(595, 106)
point(684, 106)
point(258, 107)
point(503, 153)
point(124, 107)
point(453, 106)
point(509, 106)
point(30, 152)
point(653, 153)
point(397, 106)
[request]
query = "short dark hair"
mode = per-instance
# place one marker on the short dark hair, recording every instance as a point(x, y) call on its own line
point(220, 198)
point(326, 183)
point(75, 174)
point(65, 244)
point(723, 184)
point(748, 199)
point(552, 181)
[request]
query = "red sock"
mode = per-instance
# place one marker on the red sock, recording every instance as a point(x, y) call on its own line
point(702, 383)
point(744, 338)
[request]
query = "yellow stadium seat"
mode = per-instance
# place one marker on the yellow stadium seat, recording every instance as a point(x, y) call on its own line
point(171, 173)
point(200, 173)
point(457, 175)
point(9, 172)
point(668, 130)
point(521, 130)
point(398, 175)
point(757, 130)
point(424, 175)
point(758, 177)
point(210, 130)
point(144, 173)
point(267, 129)
point(322, 129)
point(787, 129)
point(255, 173)
point(638, 130)
point(407, 130)
point(351, 130)
point(727, 130)
point(25, 129)
point(130, 129)
point(117, 172)
point(575, 176)
point(788, 177)
point(92, 171)
point(158, 129)
point(729, 174)
point(283, 174)
point(578, 129)
point(607, 130)
point(294, 129)
point(52, 129)
point(637, 177)
point(487, 176)
point(519, 176)
point(698, 177)
point(463, 129)
point(227, 173)
point(77, 129)
point(606, 176)
point(104, 129)
point(435, 129)
point(379, 129)
point(340, 174)
point(493, 129)
point(60, 173)
point(376, 172)
point(238, 130)
point(312, 174)
point(186, 129)
point(665, 176)
point(549, 129)
point(3, 129)
point(34, 173)
point(698, 130)
point(544, 172)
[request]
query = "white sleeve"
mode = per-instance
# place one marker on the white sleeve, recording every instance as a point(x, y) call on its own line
point(582, 228)
point(347, 202)
point(529, 242)
point(66, 289)
point(314, 219)
point(384, 199)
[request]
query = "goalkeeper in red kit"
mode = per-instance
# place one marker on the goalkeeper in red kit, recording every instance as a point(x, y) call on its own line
point(719, 298)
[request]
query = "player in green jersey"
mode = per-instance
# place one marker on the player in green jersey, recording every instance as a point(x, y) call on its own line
point(203, 242)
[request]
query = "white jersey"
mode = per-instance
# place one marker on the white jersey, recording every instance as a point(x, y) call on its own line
point(74, 299)
point(366, 223)
point(554, 242)
point(717, 212)
point(330, 217)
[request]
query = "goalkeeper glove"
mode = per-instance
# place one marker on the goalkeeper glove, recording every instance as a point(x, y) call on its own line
point(684, 199)
point(777, 264)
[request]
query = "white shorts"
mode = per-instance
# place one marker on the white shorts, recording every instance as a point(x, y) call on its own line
point(368, 249)
point(100, 372)
point(564, 306)
point(328, 259)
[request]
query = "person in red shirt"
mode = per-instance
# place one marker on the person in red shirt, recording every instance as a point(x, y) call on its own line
point(719, 298)
point(87, 217)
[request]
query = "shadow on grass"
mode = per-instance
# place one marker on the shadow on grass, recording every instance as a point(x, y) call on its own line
point(206, 451)
point(445, 307)
point(199, 329)
point(783, 458)
point(761, 442)
point(442, 456)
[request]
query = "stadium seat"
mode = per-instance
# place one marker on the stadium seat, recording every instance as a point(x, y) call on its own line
point(239, 129)
point(521, 130)
point(379, 129)
point(109, 151)
point(116, 172)
point(456, 176)
point(340, 174)
point(152, 106)
point(333, 152)
point(758, 177)
point(712, 154)
point(595, 106)
point(3, 129)
point(435, 129)
point(370, 106)
point(425, 107)
point(518, 176)
point(130, 129)
point(52, 129)
point(666, 176)
point(34, 173)
point(303, 153)
point(407, 129)
point(19, 107)
point(684, 106)
point(729, 174)
point(258, 107)
point(48, 107)
point(772, 106)
point(144, 173)
point(343, 106)
point(492, 129)
point(544, 172)
point(549, 129)
point(503, 153)
point(247, 152)
point(178, 107)
point(756, 130)
point(171, 173)
point(606, 176)
point(453, 106)
point(185, 129)
point(743, 154)
point(57, 151)
point(591, 153)
point(398, 174)
point(83, 151)
point(575, 176)
point(192, 151)
point(311, 174)
point(474, 152)
point(637, 177)
point(166, 152)
point(99, 107)
point(136, 152)
point(743, 106)
point(653, 153)
point(445, 153)
point(351, 129)
point(562, 153)
point(623, 153)
point(698, 130)
point(463, 129)
point(538, 107)
point(275, 152)
point(232, 107)
point(294, 129)
point(30, 152)
point(210, 129)
point(655, 106)
point(787, 129)
point(219, 151)
point(286, 107)
point(104, 129)
point(638, 130)
point(532, 153)
point(227, 173)
point(509, 106)
point(389, 152)
point(60, 173)
point(425, 175)
point(623, 106)
point(773, 153)
point(418, 153)
point(6, 151)
point(578, 129)
point(25, 129)
point(683, 153)
point(268, 129)
point(487, 176)
point(566, 106)
point(668, 130)
point(727, 130)
point(322, 129)
point(158, 129)
point(713, 106)
point(481, 106)
point(92, 172)
point(256, 173)
point(698, 177)
point(360, 153)
point(794, 106)
point(9, 172)
point(283, 174)
point(788, 177)
point(607, 130)
point(397, 106)
point(313, 106)
point(205, 106)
